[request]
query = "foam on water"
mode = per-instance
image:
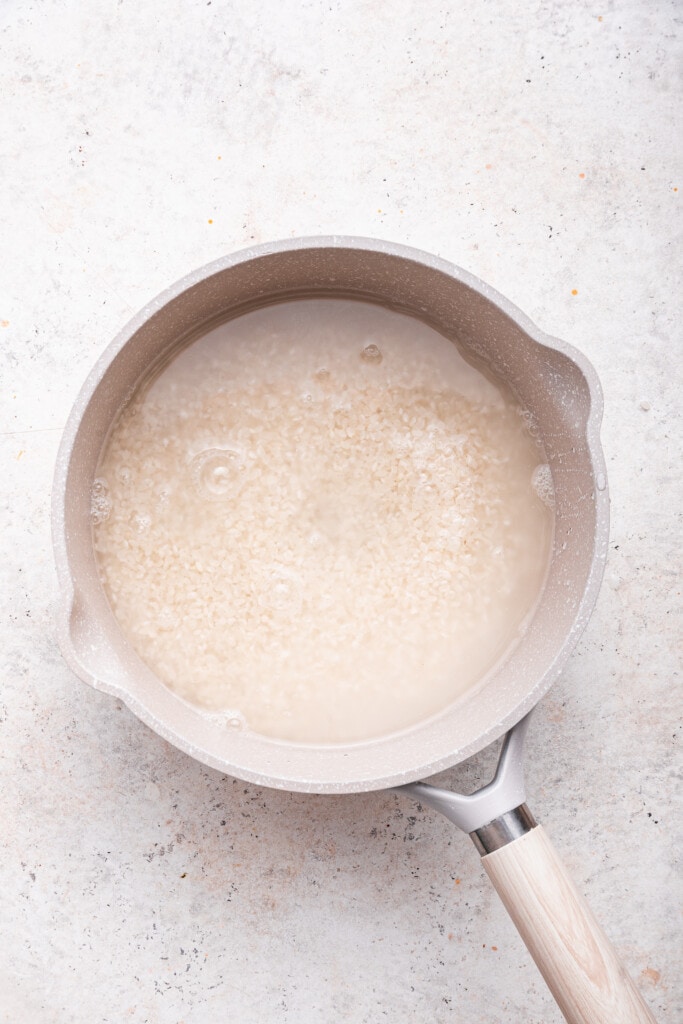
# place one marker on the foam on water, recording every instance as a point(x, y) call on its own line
point(542, 483)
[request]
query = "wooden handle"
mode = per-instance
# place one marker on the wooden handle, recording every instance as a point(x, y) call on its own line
point(568, 945)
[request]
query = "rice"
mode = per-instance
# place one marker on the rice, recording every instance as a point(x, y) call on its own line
point(322, 523)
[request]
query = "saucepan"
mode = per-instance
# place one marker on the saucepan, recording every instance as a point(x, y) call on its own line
point(561, 391)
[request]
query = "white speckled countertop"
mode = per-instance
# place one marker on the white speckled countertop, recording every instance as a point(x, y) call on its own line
point(537, 146)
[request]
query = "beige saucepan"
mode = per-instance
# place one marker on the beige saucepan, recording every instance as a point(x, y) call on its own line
point(559, 387)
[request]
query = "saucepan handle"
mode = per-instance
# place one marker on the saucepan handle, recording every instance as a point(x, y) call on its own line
point(568, 945)
point(575, 957)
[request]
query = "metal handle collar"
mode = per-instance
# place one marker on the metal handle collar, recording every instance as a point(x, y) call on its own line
point(497, 813)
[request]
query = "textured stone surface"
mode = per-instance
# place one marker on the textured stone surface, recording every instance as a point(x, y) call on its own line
point(534, 144)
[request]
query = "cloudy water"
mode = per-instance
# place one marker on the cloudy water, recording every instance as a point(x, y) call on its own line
point(322, 521)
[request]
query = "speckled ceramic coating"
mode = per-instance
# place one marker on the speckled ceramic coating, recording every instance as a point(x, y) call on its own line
point(554, 381)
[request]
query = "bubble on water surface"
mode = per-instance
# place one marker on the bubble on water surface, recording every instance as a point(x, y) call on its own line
point(228, 718)
point(235, 720)
point(529, 422)
point(100, 502)
point(371, 354)
point(218, 472)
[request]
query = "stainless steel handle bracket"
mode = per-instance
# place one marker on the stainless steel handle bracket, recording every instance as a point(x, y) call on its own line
point(496, 814)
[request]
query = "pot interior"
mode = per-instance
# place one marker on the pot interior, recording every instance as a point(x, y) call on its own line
point(555, 384)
